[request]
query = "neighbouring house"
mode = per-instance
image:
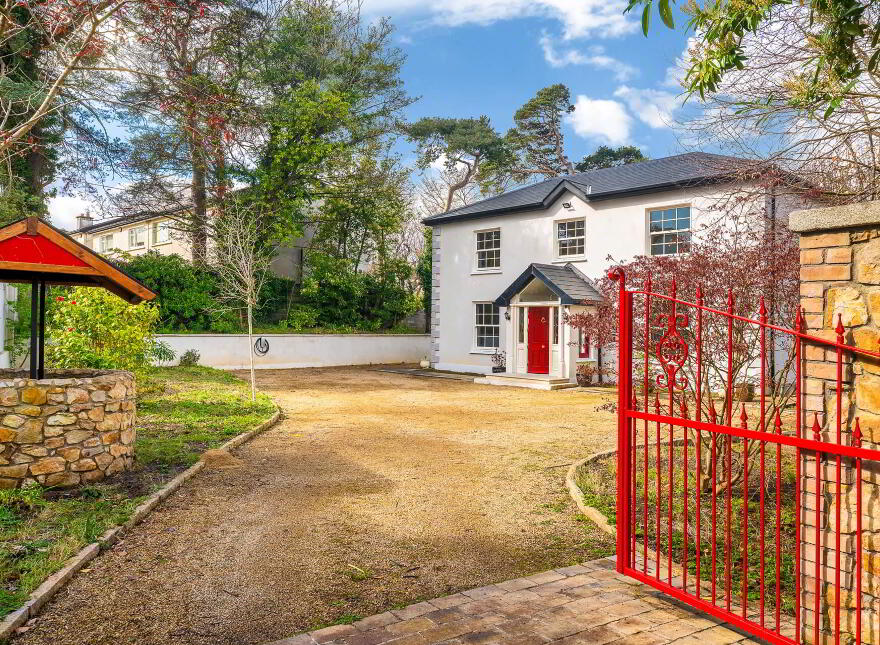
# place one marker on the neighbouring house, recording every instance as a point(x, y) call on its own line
point(160, 232)
point(507, 269)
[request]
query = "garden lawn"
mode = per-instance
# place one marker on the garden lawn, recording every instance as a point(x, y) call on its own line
point(181, 413)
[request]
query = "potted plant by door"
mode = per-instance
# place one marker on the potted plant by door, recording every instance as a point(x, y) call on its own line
point(499, 362)
point(586, 373)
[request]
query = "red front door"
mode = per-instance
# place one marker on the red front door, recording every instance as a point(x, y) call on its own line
point(539, 340)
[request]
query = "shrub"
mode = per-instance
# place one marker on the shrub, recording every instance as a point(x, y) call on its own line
point(343, 297)
point(185, 291)
point(93, 328)
point(162, 352)
point(302, 317)
point(190, 358)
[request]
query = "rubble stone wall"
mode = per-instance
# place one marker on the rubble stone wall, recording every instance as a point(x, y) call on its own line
point(73, 427)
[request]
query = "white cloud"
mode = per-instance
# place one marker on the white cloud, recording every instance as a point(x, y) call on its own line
point(595, 57)
point(654, 107)
point(405, 40)
point(579, 18)
point(605, 120)
point(676, 72)
point(64, 209)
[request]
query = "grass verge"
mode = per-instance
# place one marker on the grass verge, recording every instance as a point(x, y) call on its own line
point(598, 482)
point(181, 413)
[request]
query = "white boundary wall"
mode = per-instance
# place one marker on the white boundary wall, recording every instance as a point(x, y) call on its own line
point(230, 351)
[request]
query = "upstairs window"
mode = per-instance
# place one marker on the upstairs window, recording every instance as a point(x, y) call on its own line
point(161, 232)
point(488, 250)
point(137, 237)
point(670, 230)
point(105, 243)
point(570, 236)
point(488, 325)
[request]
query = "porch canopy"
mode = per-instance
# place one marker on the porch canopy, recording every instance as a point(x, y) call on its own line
point(35, 252)
point(565, 281)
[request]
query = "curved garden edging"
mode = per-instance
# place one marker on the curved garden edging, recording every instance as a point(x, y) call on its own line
point(55, 582)
point(594, 514)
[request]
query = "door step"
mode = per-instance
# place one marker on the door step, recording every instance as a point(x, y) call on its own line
point(535, 382)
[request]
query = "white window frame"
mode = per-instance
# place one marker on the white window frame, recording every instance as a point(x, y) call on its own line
point(591, 354)
point(160, 233)
point(105, 243)
point(133, 234)
point(478, 250)
point(672, 231)
point(557, 239)
point(478, 349)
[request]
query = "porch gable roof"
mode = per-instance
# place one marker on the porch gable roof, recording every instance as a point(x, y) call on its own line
point(566, 281)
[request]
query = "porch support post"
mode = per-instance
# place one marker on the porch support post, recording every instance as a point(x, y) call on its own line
point(35, 319)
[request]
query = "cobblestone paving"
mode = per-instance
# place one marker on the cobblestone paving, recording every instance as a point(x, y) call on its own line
point(588, 603)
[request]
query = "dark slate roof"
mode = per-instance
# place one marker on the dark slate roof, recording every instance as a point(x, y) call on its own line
point(667, 173)
point(125, 220)
point(572, 286)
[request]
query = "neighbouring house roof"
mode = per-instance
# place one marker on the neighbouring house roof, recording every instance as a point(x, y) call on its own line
point(572, 286)
point(125, 220)
point(31, 249)
point(667, 173)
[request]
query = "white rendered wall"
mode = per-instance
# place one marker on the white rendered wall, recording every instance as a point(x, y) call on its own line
point(230, 351)
point(616, 227)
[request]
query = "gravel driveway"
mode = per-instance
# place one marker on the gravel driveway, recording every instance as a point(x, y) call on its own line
point(377, 490)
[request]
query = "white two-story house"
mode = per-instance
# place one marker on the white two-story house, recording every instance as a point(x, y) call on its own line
point(507, 269)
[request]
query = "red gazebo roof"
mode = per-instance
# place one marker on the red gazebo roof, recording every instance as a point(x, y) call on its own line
point(31, 249)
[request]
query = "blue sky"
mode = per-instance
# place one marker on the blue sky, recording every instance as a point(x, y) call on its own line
point(466, 58)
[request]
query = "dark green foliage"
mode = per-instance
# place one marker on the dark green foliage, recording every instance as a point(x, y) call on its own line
point(538, 137)
point(274, 299)
point(186, 292)
point(608, 157)
point(335, 295)
point(424, 270)
point(190, 358)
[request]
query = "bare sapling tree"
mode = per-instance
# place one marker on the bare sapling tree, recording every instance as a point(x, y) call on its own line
point(241, 258)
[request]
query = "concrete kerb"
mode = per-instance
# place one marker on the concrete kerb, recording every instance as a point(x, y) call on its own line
point(54, 583)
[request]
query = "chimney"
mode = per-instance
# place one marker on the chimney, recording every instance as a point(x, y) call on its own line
point(84, 220)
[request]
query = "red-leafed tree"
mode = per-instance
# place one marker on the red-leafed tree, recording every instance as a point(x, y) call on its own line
point(756, 265)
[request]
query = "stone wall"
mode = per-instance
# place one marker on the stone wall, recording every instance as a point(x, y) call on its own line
point(840, 279)
point(70, 428)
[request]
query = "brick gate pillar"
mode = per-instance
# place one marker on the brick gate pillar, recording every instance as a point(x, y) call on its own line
point(840, 274)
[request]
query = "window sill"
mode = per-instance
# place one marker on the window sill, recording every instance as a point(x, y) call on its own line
point(485, 271)
point(572, 258)
point(161, 243)
point(489, 351)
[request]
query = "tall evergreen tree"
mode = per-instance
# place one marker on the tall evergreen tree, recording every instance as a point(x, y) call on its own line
point(537, 138)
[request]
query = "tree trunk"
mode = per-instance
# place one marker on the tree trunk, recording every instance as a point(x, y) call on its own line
point(199, 230)
point(250, 317)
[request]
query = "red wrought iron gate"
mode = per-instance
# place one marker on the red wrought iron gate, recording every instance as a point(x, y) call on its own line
point(741, 469)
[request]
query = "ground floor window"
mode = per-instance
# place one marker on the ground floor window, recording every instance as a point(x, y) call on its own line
point(583, 344)
point(488, 325)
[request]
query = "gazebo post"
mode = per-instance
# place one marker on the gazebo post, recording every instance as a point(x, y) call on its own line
point(41, 366)
point(35, 314)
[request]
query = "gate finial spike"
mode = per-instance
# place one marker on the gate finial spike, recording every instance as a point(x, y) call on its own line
point(674, 288)
point(763, 310)
point(656, 403)
point(713, 415)
point(778, 423)
point(684, 408)
point(635, 401)
point(730, 300)
point(743, 417)
point(840, 329)
point(648, 283)
point(817, 429)
point(798, 321)
point(857, 435)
